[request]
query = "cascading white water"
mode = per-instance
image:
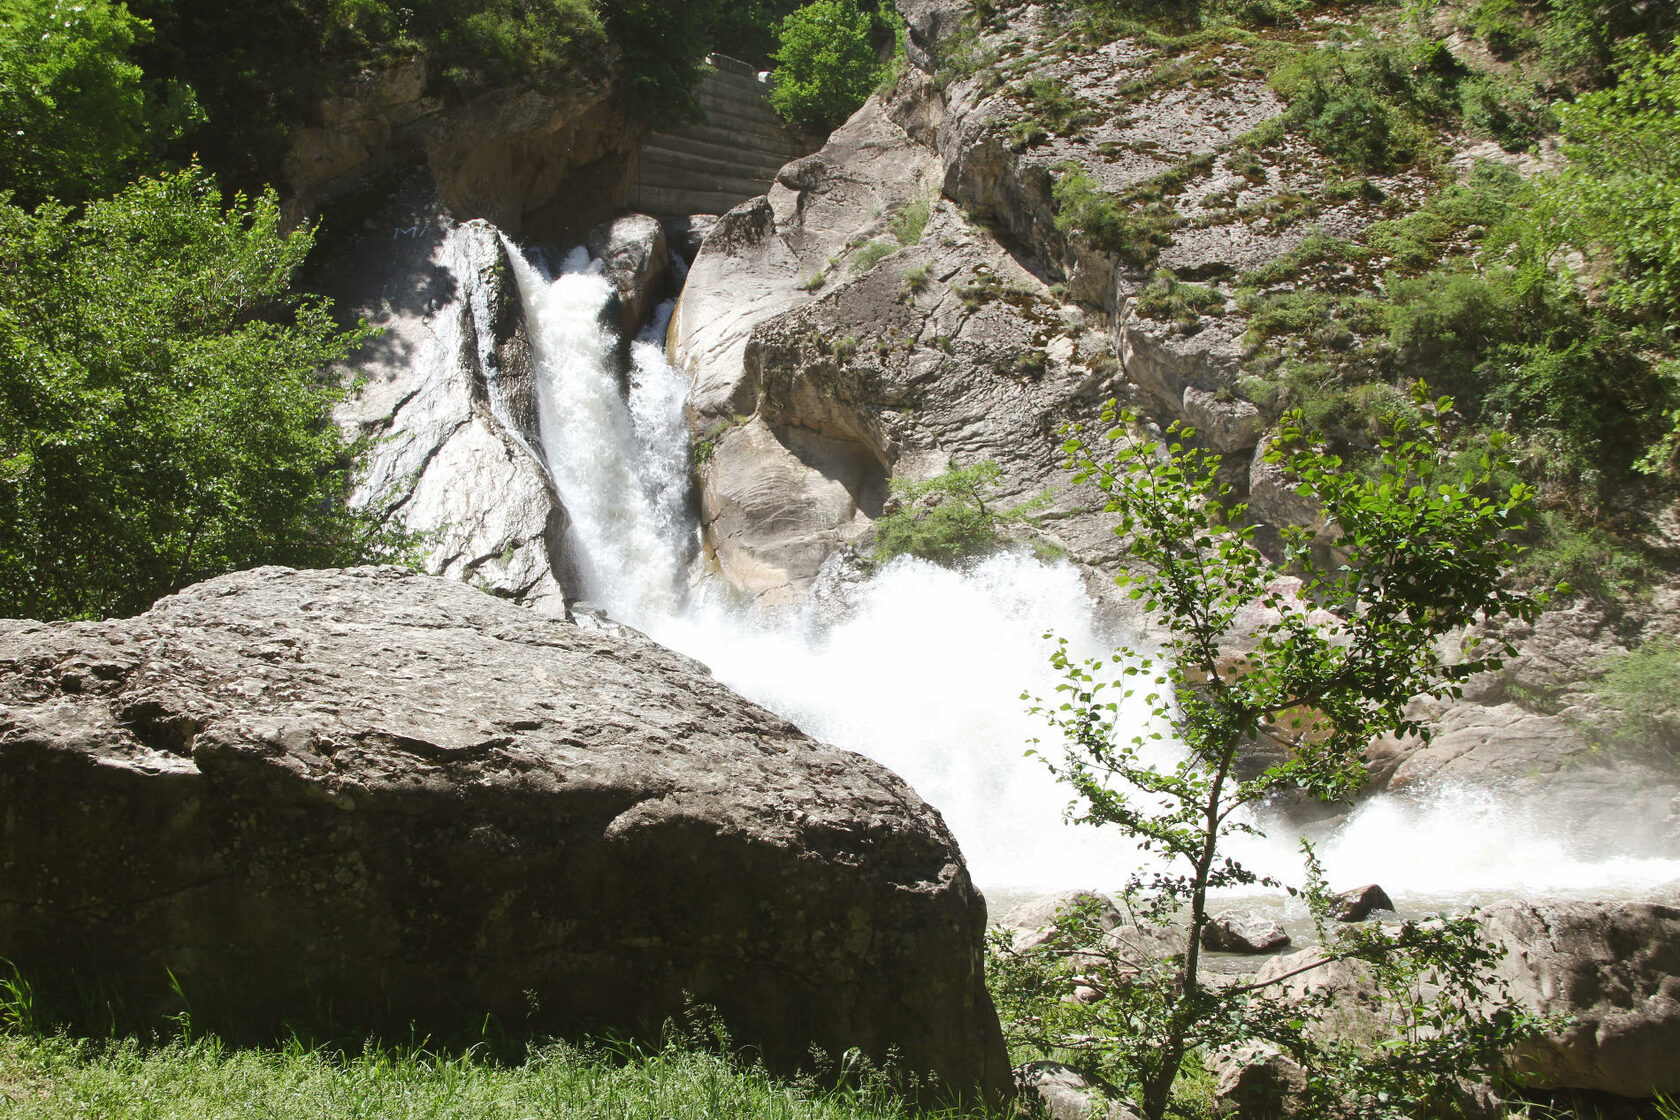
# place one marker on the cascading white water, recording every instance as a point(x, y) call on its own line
point(923, 668)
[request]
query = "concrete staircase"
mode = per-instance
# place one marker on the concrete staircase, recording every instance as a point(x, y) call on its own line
point(734, 155)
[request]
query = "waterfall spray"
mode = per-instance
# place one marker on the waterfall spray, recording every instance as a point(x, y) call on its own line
point(923, 668)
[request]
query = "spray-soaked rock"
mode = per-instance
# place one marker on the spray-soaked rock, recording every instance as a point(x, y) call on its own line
point(1238, 931)
point(1611, 973)
point(638, 265)
point(383, 798)
point(1359, 903)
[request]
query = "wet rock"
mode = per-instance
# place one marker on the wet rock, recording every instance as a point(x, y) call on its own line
point(638, 265)
point(1357, 904)
point(1032, 920)
point(394, 800)
point(447, 401)
point(1237, 931)
point(685, 235)
point(1257, 1082)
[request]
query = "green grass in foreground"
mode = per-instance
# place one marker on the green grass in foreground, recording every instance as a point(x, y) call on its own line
point(55, 1076)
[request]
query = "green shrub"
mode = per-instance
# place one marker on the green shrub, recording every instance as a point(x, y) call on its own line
point(871, 254)
point(1642, 691)
point(946, 519)
point(1587, 558)
point(1369, 107)
point(1051, 111)
point(1097, 218)
point(1166, 298)
point(825, 63)
point(909, 223)
point(916, 279)
point(1621, 190)
point(162, 414)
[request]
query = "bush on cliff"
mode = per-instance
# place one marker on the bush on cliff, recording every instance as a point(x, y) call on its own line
point(162, 418)
point(949, 518)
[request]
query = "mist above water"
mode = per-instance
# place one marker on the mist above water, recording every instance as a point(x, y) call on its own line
point(923, 668)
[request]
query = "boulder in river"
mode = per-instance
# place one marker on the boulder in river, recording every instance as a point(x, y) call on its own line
point(1358, 904)
point(1238, 931)
point(391, 799)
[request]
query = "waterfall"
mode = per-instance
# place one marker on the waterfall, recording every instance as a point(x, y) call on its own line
point(924, 668)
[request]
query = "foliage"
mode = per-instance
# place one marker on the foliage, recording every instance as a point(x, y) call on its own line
point(1368, 107)
point(55, 1076)
point(1325, 665)
point(255, 89)
point(1641, 690)
point(1099, 219)
point(825, 62)
point(71, 102)
point(1051, 111)
point(871, 254)
point(162, 419)
point(1620, 193)
point(1166, 297)
point(909, 223)
point(946, 519)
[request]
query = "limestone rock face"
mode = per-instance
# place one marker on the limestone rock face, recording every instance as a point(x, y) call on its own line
point(538, 165)
point(1237, 931)
point(853, 326)
point(1611, 971)
point(448, 403)
point(391, 798)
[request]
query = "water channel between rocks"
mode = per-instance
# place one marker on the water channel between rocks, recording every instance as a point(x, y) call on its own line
point(924, 668)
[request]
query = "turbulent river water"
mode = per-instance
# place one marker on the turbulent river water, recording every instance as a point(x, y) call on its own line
point(923, 668)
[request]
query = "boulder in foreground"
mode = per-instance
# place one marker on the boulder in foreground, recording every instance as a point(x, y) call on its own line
point(377, 798)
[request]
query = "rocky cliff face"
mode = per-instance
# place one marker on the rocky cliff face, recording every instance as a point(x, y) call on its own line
point(381, 798)
point(447, 401)
point(835, 343)
point(537, 165)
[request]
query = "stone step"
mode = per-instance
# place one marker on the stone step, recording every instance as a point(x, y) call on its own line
point(769, 128)
point(773, 143)
point(711, 149)
point(677, 177)
point(735, 89)
point(707, 159)
point(669, 202)
point(745, 103)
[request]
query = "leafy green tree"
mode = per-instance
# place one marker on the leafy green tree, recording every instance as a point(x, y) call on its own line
point(71, 102)
point(1323, 662)
point(163, 417)
point(825, 63)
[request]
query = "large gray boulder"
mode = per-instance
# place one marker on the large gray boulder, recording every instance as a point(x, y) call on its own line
point(390, 799)
point(1607, 973)
point(1613, 969)
point(637, 260)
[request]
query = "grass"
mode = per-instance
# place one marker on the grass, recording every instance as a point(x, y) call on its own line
point(55, 1076)
point(871, 255)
